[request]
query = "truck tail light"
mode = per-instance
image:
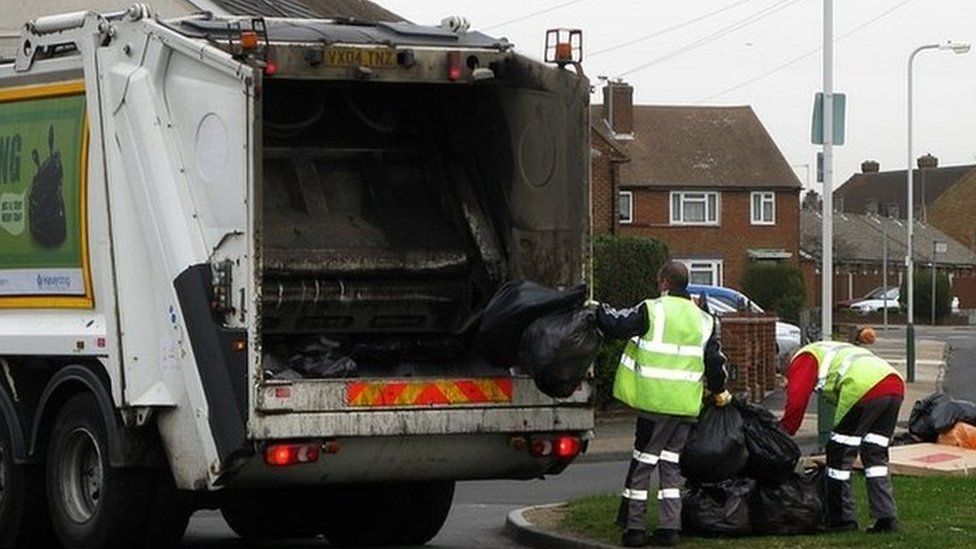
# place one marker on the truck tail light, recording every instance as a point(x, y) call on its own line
point(567, 447)
point(282, 455)
point(562, 447)
point(454, 67)
point(541, 447)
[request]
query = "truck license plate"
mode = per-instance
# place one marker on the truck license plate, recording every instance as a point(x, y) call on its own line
point(360, 57)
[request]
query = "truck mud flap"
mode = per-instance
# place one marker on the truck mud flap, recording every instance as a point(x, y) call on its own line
point(223, 371)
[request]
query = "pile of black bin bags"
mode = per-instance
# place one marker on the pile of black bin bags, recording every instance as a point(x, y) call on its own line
point(740, 470)
point(936, 414)
point(547, 332)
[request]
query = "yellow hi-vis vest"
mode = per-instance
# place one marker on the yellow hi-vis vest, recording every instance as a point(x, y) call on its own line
point(661, 371)
point(845, 373)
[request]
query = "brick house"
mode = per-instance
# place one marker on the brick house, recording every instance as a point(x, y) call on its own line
point(709, 181)
point(944, 197)
point(859, 254)
point(606, 156)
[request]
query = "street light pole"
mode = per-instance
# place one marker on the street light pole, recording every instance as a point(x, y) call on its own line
point(827, 236)
point(884, 271)
point(955, 47)
point(935, 244)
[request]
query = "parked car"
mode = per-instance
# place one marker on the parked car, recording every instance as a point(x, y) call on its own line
point(878, 300)
point(722, 300)
point(876, 293)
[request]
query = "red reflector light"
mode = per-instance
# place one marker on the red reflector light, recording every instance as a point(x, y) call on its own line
point(562, 447)
point(271, 68)
point(454, 67)
point(281, 455)
point(567, 447)
point(540, 447)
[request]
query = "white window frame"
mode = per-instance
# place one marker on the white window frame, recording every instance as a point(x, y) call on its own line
point(716, 266)
point(755, 216)
point(630, 209)
point(695, 196)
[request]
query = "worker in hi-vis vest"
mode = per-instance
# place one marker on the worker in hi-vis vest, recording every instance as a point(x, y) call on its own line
point(672, 347)
point(867, 392)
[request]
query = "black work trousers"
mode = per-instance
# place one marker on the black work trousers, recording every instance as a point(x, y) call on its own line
point(867, 428)
point(657, 444)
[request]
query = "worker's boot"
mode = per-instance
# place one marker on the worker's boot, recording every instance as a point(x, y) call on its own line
point(634, 538)
point(885, 525)
point(665, 537)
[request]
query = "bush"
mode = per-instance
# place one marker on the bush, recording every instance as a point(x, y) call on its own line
point(923, 295)
point(776, 287)
point(625, 269)
point(624, 274)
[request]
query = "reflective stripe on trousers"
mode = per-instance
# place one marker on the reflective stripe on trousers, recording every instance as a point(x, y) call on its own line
point(657, 446)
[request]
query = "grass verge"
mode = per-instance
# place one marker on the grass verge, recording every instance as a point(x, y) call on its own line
point(934, 512)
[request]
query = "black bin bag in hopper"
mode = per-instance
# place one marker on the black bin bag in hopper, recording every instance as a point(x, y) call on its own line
point(512, 309)
point(716, 447)
point(720, 509)
point(557, 350)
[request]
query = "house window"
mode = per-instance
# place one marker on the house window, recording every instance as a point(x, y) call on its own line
point(625, 207)
point(694, 208)
point(763, 208)
point(704, 271)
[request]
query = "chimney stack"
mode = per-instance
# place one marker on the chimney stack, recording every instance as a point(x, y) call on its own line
point(928, 161)
point(870, 166)
point(618, 107)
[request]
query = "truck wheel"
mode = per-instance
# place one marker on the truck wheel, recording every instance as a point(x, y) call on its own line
point(24, 519)
point(391, 514)
point(430, 503)
point(92, 504)
point(271, 514)
point(169, 514)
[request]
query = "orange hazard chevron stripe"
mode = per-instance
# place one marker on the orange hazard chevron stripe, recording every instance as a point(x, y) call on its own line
point(429, 392)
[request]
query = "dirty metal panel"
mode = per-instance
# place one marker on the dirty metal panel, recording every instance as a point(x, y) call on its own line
point(457, 421)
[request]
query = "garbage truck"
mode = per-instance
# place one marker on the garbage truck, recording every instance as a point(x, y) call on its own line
point(242, 263)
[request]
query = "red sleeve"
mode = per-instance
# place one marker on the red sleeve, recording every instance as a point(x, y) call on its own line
point(801, 380)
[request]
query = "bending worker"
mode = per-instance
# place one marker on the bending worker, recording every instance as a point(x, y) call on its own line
point(867, 392)
point(673, 345)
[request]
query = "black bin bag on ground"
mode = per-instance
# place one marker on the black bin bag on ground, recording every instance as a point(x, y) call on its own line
point(720, 509)
point(773, 454)
point(512, 309)
point(789, 506)
point(938, 413)
point(716, 447)
point(557, 350)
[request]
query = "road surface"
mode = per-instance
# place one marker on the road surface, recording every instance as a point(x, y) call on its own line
point(476, 519)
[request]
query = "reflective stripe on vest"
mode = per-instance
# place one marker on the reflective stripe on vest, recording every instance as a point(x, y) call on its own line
point(661, 371)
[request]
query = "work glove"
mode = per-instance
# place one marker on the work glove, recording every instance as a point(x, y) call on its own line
point(722, 399)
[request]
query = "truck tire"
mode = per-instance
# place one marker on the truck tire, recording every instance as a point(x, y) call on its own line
point(430, 503)
point(272, 514)
point(92, 504)
point(390, 514)
point(24, 519)
point(169, 514)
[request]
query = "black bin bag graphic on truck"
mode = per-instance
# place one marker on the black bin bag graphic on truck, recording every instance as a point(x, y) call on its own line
point(47, 222)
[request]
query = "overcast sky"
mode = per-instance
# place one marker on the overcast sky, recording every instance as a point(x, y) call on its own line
point(735, 41)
